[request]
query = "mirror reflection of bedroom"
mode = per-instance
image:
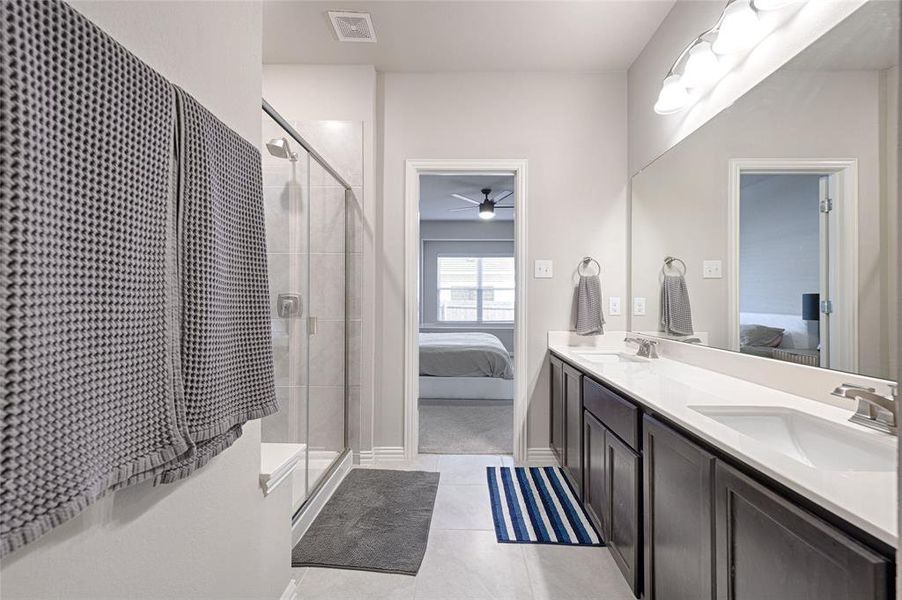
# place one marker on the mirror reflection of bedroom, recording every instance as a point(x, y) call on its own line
point(466, 313)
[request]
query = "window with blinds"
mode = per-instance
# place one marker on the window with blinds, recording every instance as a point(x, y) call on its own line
point(475, 289)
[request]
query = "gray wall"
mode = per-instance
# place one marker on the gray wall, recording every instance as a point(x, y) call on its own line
point(213, 535)
point(453, 237)
point(571, 127)
point(779, 243)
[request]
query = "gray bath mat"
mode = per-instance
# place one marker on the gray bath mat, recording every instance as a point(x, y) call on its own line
point(377, 520)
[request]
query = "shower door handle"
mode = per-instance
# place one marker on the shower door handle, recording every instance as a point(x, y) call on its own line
point(312, 325)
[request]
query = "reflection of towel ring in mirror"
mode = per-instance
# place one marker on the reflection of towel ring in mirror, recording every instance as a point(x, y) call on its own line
point(584, 263)
point(668, 262)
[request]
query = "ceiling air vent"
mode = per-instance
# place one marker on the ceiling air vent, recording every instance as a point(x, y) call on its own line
point(353, 26)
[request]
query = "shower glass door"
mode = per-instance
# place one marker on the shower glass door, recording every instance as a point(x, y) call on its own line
point(306, 231)
point(286, 193)
point(326, 417)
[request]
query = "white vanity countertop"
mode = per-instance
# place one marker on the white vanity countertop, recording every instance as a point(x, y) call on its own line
point(867, 499)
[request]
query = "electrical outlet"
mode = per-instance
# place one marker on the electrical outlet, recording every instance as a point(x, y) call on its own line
point(614, 306)
point(638, 307)
point(544, 269)
point(712, 269)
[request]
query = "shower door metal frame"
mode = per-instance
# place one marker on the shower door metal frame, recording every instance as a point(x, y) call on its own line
point(327, 474)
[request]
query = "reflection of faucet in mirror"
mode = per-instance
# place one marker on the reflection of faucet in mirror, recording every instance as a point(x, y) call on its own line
point(647, 348)
point(874, 410)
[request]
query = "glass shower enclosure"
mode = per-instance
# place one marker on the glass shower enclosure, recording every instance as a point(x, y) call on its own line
point(306, 206)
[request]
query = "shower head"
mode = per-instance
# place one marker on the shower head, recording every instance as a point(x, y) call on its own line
point(279, 148)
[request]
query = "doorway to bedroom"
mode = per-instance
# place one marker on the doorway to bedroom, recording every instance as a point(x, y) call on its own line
point(466, 312)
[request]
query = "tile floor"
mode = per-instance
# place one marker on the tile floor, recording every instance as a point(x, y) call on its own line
point(464, 561)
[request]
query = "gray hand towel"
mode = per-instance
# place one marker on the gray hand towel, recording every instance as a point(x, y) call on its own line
point(589, 317)
point(676, 313)
point(87, 225)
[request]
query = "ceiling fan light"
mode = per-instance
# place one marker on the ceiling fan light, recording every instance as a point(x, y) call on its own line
point(673, 97)
point(487, 210)
point(739, 30)
point(702, 67)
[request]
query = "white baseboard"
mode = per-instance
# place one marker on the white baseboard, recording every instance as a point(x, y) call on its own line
point(315, 504)
point(291, 591)
point(541, 455)
point(385, 454)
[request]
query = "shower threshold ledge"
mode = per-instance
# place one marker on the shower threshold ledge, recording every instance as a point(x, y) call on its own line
point(277, 461)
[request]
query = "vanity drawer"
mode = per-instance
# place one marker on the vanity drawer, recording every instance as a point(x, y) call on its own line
point(618, 414)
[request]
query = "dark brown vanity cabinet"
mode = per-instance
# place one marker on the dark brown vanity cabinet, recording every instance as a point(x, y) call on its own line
point(767, 547)
point(566, 420)
point(595, 495)
point(622, 476)
point(679, 515)
point(573, 424)
point(612, 475)
point(682, 523)
point(557, 409)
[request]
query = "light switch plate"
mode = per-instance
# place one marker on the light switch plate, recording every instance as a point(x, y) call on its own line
point(614, 306)
point(638, 307)
point(712, 269)
point(544, 269)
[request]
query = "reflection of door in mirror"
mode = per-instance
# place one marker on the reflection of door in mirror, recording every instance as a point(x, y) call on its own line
point(795, 220)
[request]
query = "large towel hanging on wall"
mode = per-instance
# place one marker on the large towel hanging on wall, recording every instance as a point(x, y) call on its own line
point(101, 389)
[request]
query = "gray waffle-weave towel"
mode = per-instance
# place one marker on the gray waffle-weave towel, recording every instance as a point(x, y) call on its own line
point(589, 317)
point(676, 312)
point(226, 357)
point(87, 227)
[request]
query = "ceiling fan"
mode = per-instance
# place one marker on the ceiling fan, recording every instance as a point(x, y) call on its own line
point(487, 206)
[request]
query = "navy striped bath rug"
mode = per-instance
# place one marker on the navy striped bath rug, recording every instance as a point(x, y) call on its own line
point(535, 505)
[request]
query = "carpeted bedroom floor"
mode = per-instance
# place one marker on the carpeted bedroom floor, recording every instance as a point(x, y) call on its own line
point(466, 426)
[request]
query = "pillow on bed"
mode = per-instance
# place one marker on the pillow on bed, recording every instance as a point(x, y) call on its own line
point(760, 335)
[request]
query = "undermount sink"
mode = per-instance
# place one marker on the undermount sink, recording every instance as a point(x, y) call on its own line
point(608, 356)
point(808, 439)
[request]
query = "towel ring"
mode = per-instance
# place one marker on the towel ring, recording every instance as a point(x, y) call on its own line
point(585, 262)
point(668, 262)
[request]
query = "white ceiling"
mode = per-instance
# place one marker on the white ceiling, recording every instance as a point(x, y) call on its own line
point(558, 35)
point(436, 199)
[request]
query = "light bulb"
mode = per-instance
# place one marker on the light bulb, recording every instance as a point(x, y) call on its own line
point(739, 30)
point(673, 97)
point(772, 4)
point(486, 210)
point(701, 67)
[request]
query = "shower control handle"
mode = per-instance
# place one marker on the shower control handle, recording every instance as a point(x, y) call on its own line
point(288, 306)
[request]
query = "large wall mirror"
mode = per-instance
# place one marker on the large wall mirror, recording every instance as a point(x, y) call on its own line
point(773, 229)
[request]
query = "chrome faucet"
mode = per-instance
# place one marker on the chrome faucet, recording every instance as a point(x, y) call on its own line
point(874, 410)
point(647, 348)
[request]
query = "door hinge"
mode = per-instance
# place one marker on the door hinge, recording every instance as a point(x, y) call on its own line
point(826, 306)
point(826, 205)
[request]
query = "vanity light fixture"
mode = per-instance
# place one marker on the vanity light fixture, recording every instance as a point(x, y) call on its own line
point(739, 28)
point(674, 96)
point(772, 4)
point(699, 65)
point(702, 67)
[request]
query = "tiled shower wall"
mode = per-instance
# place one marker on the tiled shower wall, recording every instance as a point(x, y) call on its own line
point(291, 247)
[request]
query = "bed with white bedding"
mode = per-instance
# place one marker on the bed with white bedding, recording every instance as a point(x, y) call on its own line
point(465, 365)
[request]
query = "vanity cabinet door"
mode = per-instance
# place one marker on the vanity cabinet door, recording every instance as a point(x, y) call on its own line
point(622, 481)
point(769, 548)
point(557, 409)
point(595, 496)
point(573, 448)
point(679, 516)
